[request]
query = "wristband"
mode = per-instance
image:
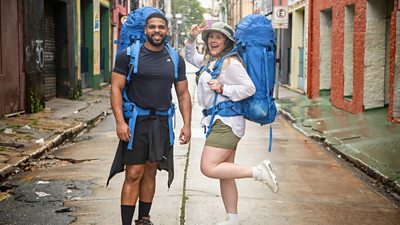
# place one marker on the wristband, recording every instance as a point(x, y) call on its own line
point(221, 88)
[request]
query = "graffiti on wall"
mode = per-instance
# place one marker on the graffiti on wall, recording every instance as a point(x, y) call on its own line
point(36, 49)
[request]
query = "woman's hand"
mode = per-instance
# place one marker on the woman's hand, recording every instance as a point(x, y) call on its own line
point(215, 85)
point(197, 29)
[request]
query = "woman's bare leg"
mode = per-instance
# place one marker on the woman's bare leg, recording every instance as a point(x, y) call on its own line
point(229, 190)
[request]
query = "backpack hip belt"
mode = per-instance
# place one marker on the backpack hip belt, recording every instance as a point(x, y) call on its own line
point(225, 108)
point(132, 111)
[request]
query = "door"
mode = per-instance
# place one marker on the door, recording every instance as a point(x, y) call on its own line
point(11, 78)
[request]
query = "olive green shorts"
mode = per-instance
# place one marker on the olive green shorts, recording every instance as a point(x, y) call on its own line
point(222, 136)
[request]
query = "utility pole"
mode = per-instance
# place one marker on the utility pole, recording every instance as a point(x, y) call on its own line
point(278, 63)
point(280, 21)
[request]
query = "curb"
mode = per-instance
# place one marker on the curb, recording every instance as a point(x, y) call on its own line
point(52, 142)
point(371, 172)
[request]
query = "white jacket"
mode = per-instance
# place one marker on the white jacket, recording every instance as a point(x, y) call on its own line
point(237, 86)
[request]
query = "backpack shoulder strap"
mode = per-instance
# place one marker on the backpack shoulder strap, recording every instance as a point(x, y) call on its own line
point(175, 59)
point(136, 49)
point(217, 67)
point(133, 52)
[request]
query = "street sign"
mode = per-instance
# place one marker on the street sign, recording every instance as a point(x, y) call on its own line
point(263, 7)
point(280, 16)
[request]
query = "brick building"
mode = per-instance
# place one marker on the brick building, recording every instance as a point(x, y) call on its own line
point(353, 54)
point(12, 73)
point(36, 53)
point(119, 13)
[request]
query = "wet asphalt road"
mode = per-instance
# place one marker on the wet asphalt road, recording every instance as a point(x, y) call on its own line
point(67, 186)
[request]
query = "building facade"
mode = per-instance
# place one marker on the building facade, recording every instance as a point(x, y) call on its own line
point(353, 54)
point(12, 72)
point(94, 41)
point(120, 10)
point(237, 10)
point(49, 49)
point(293, 45)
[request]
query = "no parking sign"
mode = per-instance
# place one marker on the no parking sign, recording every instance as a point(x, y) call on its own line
point(280, 16)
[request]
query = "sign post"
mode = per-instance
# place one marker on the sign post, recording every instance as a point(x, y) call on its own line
point(280, 20)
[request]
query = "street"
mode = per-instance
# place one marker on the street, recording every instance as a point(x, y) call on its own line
point(316, 187)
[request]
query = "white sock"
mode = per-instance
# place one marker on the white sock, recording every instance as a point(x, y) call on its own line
point(256, 172)
point(233, 217)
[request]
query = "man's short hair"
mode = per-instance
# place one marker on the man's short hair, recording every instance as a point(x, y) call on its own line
point(157, 15)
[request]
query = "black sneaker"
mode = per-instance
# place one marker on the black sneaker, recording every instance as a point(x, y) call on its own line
point(144, 221)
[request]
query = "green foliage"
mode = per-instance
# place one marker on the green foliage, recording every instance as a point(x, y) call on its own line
point(35, 122)
point(77, 93)
point(14, 126)
point(191, 10)
point(35, 103)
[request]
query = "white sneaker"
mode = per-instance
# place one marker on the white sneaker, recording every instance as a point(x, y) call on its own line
point(229, 222)
point(267, 175)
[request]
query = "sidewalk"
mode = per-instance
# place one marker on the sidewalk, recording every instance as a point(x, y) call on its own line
point(366, 140)
point(30, 135)
point(315, 186)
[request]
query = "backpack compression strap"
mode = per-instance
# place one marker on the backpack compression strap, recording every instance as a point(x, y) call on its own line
point(133, 52)
point(269, 103)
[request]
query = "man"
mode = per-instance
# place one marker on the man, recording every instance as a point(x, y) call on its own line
point(149, 89)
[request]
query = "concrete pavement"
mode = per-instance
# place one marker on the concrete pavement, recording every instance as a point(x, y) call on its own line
point(27, 136)
point(366, 140)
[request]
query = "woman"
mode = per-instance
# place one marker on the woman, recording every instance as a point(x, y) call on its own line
point(233, 83)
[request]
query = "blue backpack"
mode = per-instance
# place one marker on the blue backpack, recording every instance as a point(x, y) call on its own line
point(132, 38)
point(256, 46)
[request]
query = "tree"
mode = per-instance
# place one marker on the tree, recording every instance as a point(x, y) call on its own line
point(191, 11)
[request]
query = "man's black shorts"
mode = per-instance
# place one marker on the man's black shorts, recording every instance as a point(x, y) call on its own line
point(151, 140)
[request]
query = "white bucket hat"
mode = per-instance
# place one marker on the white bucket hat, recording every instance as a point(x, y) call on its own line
point(221, 27)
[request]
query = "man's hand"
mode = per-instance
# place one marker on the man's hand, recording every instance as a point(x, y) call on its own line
point(185, 135)
point(123, 131)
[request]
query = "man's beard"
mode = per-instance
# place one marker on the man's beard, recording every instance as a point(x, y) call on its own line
point(152, 42)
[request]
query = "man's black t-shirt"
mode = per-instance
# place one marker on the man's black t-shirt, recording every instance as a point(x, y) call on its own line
point(151, 87)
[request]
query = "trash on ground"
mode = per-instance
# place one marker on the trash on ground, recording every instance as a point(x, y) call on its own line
point(4, 196)
point(41, 194)
point(43, 182)
point(40, 141)
point(26, 127)
point(8, 131)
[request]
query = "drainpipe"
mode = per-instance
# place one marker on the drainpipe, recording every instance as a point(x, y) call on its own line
point(241, 10)
point(310, 49)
